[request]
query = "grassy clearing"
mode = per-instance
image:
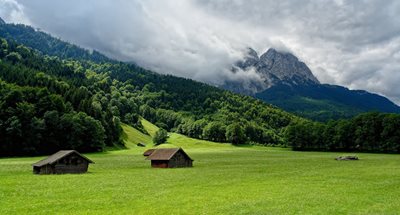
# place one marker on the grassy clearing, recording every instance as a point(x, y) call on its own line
point(150, 128)
point(132, 137)
point(224, 180)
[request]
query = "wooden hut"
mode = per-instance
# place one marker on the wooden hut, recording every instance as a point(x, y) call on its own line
point(64, 161)
point(169, 158)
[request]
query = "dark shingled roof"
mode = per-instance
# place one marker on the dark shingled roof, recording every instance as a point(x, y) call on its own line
point(165, 154)
point(148, 152)
point(57, 156)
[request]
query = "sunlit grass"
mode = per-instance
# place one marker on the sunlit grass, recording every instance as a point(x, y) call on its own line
point(132, 137)
point(224, 180)
point(150, 128)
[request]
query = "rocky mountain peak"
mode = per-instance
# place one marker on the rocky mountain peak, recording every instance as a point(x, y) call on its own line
point(273, 68)
point(250, 59)
point(2, 22)
point(252, 53)
point(274, 54)
point(286, 67)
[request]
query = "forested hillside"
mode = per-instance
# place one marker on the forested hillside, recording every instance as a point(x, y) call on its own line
point(325, 102)
point(55, 98)
point(50, 103)
point(45, 105)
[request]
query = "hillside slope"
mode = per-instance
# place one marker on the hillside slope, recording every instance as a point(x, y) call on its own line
point(46, 91)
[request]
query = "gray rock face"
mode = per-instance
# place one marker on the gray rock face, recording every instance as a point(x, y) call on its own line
point(2, 21)
point(250, 60)
point(272, 68)
point(286, 68)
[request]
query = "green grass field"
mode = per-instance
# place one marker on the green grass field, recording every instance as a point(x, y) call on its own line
point(224, 180)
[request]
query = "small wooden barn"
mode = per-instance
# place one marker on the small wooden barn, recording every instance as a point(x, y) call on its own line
point(64, 161)
point(169, 158)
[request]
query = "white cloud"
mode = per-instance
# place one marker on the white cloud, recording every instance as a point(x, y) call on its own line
point(13, 12)
point(350, 43)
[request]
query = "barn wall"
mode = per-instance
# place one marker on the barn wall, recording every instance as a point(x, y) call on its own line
point(159, 164)
point(179, 160)
point(71, 164)
point(46, 169)
point(62, 169)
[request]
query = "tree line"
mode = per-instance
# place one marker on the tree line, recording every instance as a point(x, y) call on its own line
point(369, 132)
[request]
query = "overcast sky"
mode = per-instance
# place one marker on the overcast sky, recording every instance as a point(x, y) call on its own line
point(351, 43)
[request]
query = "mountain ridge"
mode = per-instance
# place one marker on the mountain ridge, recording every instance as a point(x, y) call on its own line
point(287, 67)
point(288, 83)
point(273, 68)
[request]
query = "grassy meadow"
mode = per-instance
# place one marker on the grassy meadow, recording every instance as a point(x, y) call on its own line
point(224, 180)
